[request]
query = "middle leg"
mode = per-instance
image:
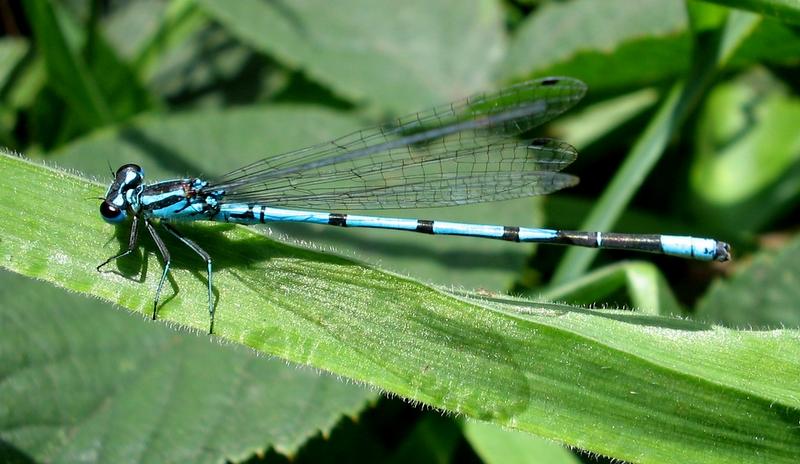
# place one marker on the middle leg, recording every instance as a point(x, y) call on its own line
point(206, 257)
point(162, 248)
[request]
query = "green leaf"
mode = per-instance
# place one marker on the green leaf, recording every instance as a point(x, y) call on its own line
point(771, 42)
point(180, 51)
point(608, 44)
point(596, 121)
point(639, 388)
point(785, 10)
point(144, 31)
point(67, 73)
point(401, 56)
point(119, 83)
point(24, 84)
point(764, 294)
point(111, 387)
point(646, 287)
point(745, 124)
point(211, 58)
point(88, 86)
point(12, 51)
point(496, 445)
point(131, 27)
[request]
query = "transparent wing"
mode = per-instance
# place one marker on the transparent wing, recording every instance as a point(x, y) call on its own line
point(454, 154)
point(434, 178)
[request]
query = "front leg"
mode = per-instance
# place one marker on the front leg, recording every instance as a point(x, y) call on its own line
point(131, 243)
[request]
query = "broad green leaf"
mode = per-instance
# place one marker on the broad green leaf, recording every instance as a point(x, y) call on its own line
point(496, 445)
point(747, 155)
point(214, 142)
point(785, 10)
point(764, 294)
point(608, 44)
point(638, 388)
point(85, 382)
point(400, 56)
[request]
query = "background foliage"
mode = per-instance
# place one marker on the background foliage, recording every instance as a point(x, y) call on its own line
point(689, 127)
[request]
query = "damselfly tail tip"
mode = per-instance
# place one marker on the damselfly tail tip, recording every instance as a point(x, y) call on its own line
point(723, 252)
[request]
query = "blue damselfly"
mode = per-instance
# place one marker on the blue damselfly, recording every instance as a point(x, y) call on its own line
point(455, 154)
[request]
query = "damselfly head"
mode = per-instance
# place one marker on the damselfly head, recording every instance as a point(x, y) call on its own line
point(117, 201)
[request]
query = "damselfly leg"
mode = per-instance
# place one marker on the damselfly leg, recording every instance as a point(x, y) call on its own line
point(134, 237)
point(162, 248)
point(206, 257)
point(166, 257)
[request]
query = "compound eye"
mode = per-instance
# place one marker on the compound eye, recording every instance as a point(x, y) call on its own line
point(125, 167)
point(111, 213)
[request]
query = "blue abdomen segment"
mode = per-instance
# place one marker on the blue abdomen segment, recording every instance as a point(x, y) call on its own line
point(354, 220)
point(704, 249)
point(469, 230)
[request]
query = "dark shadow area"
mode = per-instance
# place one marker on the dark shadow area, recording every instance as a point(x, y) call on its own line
point(383, 433)
point(9, 454)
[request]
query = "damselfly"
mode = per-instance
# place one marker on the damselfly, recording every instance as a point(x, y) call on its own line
point(454, 154)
